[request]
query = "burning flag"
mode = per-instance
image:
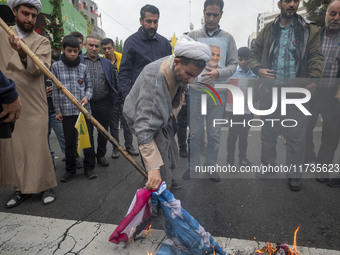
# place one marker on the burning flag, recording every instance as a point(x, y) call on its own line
point(281, 249)
point(184, 234)
point(139, 211)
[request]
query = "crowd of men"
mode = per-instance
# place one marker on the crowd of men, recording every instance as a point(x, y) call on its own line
point(143, 89)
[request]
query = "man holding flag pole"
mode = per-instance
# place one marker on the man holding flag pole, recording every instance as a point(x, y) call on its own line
point(26, 162)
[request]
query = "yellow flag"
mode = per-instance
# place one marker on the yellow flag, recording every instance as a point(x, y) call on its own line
point(83, 134)
point(173, 42)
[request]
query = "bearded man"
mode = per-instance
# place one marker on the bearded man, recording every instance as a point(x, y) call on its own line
point(152, 100)
point(26, 162)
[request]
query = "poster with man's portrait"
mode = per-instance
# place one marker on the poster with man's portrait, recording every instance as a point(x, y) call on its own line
point(218, 46)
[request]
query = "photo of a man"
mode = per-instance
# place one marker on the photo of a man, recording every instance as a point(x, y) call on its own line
point(215, 57)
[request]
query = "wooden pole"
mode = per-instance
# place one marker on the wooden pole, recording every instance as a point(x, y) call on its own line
point(67, 93)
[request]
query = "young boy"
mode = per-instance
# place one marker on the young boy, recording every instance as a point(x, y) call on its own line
point(75, 77)
point(241, 79)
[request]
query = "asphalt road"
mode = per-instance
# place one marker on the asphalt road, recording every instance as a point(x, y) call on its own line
point(249, 208)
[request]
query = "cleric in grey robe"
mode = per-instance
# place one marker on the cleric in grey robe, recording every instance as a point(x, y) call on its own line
point(156, 95)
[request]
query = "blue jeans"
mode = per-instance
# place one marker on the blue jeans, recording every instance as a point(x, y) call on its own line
point(196, 128)
point(58, 130)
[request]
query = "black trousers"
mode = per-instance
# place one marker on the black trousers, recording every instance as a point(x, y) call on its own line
point(240, 132)
point(71, 134)
point(116, 116)
point(102, 111)
point(182, 124)
point(323, 103)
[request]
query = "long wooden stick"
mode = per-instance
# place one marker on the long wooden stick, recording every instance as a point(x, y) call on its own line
point(67, 93)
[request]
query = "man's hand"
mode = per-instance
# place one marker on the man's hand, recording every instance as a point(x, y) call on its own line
point(154, 179)
point(311, 87)
point(13, 110)
point(266, 73)
point(210, 76)
point(49, 91)
point(84, 101)
point(59, 116)
point(182, 102)
point(14, 42)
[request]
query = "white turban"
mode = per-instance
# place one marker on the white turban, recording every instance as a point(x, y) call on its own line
point(187, 47)
point(14, 3)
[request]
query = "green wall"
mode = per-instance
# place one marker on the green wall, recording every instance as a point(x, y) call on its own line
point(73, 20)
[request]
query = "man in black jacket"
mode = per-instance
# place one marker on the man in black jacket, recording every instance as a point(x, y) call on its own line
point(9, 100)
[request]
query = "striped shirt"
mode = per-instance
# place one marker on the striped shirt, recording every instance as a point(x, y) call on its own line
point(77, 81)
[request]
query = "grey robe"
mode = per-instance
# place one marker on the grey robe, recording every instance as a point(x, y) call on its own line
point(147, 109)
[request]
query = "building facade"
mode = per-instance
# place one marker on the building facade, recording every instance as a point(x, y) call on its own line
point(264, 18)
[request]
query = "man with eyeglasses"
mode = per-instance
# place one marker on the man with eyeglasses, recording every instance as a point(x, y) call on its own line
point(105, 96)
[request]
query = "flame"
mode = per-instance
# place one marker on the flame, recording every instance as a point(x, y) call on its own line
point(147, 231)
point(294, 250)
point(269, 249)
point(149, 253)
point(131, 233)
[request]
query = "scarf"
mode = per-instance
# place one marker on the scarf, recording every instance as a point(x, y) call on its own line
point(70, 63)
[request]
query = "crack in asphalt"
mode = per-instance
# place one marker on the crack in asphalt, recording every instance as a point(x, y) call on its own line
point(160, 243)
point(66, 234)
point(5, 217)
point(98, 227)
point(1, 245)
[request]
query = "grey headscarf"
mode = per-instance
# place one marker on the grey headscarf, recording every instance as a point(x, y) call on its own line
point(14, 3)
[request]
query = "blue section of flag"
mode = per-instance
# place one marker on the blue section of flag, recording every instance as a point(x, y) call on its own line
point(184, 234)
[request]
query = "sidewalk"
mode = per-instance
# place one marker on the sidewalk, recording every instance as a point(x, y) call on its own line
point(23, 234)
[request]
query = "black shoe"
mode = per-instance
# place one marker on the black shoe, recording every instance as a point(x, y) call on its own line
point(16, 199)
point(245, 162)
point(102, 161)
point(183, 153)
point(115, 154)
point(322, 177)
point(322, 180)
point(186, 175)
point(215, 177)
point(176, 186)
point(294, 184)
point(334, 182)
point(78, 164)
point(90, 174)
point(68, 176)
point(132, 151)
